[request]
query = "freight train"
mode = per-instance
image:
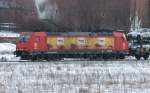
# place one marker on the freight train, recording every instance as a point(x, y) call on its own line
point(86, 45)
point(56, 45)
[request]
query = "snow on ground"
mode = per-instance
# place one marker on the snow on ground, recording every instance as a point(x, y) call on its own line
point(75, 77)
point(7, 52)
point(7, 47)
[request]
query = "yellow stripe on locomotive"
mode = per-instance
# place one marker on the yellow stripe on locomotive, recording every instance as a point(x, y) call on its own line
point(100, 42)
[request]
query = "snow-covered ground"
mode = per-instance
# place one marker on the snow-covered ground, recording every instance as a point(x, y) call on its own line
point(75, 77)
point(7, 47)
point(7, 52)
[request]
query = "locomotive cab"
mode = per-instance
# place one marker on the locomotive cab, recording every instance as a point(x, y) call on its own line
point(121, 44)
point(22, 44)
point(30, 42)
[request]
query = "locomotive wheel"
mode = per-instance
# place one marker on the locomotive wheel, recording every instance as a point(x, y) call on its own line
point(48, 58)
point(106, 57)
point(121, 56)
point(54, 57)
point(138, 57)
point(24, 56)
point(91, 57)
point(39, 58)
point(146, 56)
point(33, 58)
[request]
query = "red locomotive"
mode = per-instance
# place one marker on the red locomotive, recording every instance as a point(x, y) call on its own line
point(58, 45)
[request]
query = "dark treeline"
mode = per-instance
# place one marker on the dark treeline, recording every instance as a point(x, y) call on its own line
point(95, 14)
point(89, 15)
point(74, 15)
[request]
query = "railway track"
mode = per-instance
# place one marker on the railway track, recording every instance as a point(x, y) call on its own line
point(67, 60)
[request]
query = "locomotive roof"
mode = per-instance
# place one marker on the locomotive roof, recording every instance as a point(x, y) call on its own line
point(80, 33)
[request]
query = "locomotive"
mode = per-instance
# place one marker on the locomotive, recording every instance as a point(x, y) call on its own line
point(59, 45)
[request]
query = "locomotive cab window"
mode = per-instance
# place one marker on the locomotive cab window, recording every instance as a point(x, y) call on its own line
point(24, 38)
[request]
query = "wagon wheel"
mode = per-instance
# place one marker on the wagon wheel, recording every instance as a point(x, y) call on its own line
point(138, 57)
point(146, 56)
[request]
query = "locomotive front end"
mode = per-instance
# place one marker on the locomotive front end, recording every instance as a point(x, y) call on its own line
point(22, 46)
point(31, 43)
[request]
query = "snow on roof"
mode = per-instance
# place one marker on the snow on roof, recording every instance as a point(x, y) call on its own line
point(145, 32)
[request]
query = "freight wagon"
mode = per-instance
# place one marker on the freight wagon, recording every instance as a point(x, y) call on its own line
point(139, 44)
point(59, 45)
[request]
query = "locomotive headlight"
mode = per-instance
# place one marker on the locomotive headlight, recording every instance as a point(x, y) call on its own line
point(124, 45)
point(35, 45)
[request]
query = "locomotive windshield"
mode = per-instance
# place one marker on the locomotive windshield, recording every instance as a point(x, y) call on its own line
point(24, 38)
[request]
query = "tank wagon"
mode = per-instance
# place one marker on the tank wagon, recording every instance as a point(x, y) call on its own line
point(56, 45)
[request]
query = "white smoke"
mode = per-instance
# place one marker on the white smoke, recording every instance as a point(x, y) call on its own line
point(38, 4)
point(47, 9)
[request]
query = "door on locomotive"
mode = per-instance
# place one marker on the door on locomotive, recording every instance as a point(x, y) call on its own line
point(39, 42)
point(121, 45)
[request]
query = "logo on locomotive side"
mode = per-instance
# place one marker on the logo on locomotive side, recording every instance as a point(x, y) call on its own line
point(82, 41)
point(60, 41)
